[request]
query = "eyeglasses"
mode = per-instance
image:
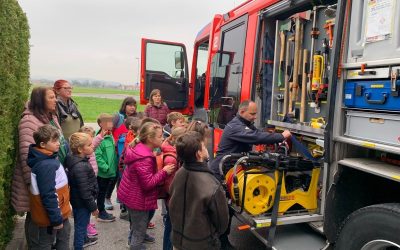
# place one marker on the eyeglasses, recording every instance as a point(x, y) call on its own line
point(67, 88)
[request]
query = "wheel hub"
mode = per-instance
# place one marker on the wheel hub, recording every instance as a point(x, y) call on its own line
point(380, 245)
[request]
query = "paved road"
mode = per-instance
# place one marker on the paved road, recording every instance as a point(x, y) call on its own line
point(295, 237)
point(107, 96)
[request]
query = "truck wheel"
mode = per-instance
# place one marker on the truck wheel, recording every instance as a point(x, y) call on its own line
point(373, 227)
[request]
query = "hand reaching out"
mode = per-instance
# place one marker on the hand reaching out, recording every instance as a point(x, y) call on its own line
point(169, 168)
point(58, 227)
point(286, 134)
point(95, 213)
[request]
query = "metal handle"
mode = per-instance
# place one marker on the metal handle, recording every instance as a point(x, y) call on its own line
point(381, 101)
point(367, 72)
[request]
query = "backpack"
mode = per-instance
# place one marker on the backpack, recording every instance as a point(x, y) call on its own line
point(121, 144)
point(162, 192)
point(129, 137)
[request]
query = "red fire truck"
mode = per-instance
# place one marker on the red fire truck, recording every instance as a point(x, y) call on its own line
point(327, 71)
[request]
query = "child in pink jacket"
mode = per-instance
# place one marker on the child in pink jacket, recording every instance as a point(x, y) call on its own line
point(138, 187)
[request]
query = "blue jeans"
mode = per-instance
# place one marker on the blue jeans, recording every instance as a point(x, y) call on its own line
point(167, 232)
point(81, 220)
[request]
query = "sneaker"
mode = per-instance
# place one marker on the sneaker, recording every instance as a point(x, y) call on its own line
point(89, 242)
point(93, 225)
point(91, 231)
point(105, 217)
point(151, 225)
point(149, 239)
point(108, 205)
point(124, 215)
point(128, 246)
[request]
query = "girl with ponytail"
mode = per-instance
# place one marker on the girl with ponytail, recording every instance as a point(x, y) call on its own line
point(138, 188)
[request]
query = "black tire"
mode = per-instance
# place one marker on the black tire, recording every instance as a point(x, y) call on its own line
point(377, 222)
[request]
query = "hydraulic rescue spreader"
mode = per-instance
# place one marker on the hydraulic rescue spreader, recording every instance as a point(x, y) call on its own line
point(252, 180)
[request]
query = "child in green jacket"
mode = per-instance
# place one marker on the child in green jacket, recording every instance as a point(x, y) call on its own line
point(107, 161)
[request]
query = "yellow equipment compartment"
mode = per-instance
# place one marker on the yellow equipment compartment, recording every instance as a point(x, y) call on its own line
point(261, 188)
point(306, 199)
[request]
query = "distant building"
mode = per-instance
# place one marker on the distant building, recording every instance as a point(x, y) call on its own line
point(127, 87)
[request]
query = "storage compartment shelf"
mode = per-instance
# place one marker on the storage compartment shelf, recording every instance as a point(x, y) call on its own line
point(265, 221)
point(300, 129)
point(372, 63)
point(368, 144)
point(372, 166)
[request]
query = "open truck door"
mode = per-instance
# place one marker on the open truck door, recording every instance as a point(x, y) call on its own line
point(164, 66)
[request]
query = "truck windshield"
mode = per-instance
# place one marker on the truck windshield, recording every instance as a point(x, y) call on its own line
point(160, 57)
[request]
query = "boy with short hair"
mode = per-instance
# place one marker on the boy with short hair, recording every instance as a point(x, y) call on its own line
point(49, 192)
point(198, 207)
point(174, 120)
point(107, 162)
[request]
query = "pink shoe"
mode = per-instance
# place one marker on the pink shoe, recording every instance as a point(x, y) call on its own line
point(93, 225)
point(91, 231)
point(151, 225)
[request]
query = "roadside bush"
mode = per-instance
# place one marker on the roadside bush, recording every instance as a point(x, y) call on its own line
point(14, 86)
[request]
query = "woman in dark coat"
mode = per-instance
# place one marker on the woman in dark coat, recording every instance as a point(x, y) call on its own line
point(69, 116)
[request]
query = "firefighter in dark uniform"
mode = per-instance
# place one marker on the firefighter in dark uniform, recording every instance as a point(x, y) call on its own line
point(239, 136)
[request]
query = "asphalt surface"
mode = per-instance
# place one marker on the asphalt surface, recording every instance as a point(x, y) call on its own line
point(107, 96)
point(114, 235)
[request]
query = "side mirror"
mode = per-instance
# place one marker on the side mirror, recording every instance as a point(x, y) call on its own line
point(179, 62)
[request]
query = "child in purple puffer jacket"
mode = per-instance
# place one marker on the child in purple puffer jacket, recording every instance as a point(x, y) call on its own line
point(138, 187)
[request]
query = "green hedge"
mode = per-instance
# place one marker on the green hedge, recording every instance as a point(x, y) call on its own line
point(14, 86)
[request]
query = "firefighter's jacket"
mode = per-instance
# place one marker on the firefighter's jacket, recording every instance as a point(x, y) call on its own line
point(239, 136)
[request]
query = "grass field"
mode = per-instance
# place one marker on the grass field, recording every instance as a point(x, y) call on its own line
point(91, 107)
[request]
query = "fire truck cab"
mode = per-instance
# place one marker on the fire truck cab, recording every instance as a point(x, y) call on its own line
point(327, 71)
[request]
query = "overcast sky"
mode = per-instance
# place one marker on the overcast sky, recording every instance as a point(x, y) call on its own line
point(100, 39)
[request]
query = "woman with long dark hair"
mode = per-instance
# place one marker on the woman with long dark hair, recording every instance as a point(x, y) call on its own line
point(40, 110)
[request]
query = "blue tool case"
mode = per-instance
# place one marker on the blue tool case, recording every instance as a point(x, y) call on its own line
point(372, 94)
